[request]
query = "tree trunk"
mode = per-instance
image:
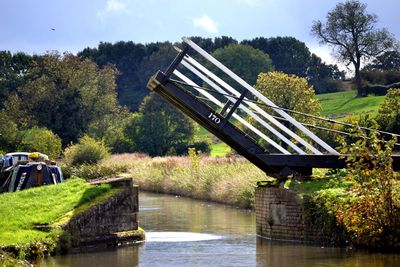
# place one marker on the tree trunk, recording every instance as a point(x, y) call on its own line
point(360, 90)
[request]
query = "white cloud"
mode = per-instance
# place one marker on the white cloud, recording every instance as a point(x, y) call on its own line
point(112, 6)
point(206, 23)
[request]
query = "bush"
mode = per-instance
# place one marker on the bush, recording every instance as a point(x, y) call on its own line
point(87, 151)
point(202, 146)
point(371, 213)
point(381, 77)
point(327, 86)
point(388, 116)
point(42, 140)
point(89, 172)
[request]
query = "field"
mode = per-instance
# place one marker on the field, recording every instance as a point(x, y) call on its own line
point(341, 104)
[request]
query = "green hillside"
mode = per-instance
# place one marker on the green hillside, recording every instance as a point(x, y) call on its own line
point(341, 104)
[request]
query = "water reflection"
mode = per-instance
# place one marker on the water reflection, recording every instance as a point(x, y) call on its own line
point(178, 237)
point(276, 253)
point(126, 256)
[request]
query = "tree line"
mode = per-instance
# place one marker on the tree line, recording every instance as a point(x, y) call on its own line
point(102, 91)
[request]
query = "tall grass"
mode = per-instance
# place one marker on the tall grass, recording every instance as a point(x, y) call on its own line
point(229, 180)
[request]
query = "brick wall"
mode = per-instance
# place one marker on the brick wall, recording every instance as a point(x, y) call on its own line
point(100, 223)
point(280, 215)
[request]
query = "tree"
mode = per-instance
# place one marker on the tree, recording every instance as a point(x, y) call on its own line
point(110, 129)
point(351, 31)
point(288, 54)
point(325, 78)
point(64, 94)
point(388, 116)
point(244, 60)
point(127, 57)
point(160, 128)
point(9, 138)
point(389, 60)
point(290, 92)
point(13, 71)
point(41, 140)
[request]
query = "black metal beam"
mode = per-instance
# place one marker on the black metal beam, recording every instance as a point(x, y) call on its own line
point(177, 60)
point(235, 106)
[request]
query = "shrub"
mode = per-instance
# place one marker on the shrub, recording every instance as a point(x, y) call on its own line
point(372, 211)
point(87, 151)
point(42, 140)
point(389, 112)
point(89, 172)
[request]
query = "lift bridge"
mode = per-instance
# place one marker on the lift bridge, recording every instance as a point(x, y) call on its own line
point(277, 143)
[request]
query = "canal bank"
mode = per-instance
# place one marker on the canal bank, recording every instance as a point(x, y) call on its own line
point(68, 217)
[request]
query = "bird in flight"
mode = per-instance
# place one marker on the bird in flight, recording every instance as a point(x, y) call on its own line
point(53, 29)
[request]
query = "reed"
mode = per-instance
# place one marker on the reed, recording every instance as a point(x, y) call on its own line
point(229, 180)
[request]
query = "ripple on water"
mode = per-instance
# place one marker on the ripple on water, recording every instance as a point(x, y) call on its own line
point(148, 208)
point(179, 237)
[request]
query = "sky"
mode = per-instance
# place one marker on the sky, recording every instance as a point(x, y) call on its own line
point(39, 26)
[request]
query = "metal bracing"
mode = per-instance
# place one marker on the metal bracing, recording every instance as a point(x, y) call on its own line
point(264, 99)
point(253, 106)
point(236, 116)
point(245, 109)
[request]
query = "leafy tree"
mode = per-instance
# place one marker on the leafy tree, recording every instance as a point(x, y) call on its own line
point(160, 128)
point(288, 54)
point(244, 60)
point(111, 128)
point(127, 57)
point(211, 45)
point(388, 116)
point(158, 60)
point(41, 140)
point(325, 78)
point(352, 33)
point(9, 138)
point(290, 92)
point(64, 94)
point(13, 71)
point(389, 60)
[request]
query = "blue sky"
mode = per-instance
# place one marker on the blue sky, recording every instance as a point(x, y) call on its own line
point(27, 25)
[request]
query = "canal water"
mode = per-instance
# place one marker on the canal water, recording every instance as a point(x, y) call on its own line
point(186, 232)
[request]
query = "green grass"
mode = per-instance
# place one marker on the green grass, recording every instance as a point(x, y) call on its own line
point(23, 213)
point(219, 149)
point(347, 103)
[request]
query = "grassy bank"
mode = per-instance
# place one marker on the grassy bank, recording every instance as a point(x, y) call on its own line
point(224, 180)
point(341, 104)
point(27, 216)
